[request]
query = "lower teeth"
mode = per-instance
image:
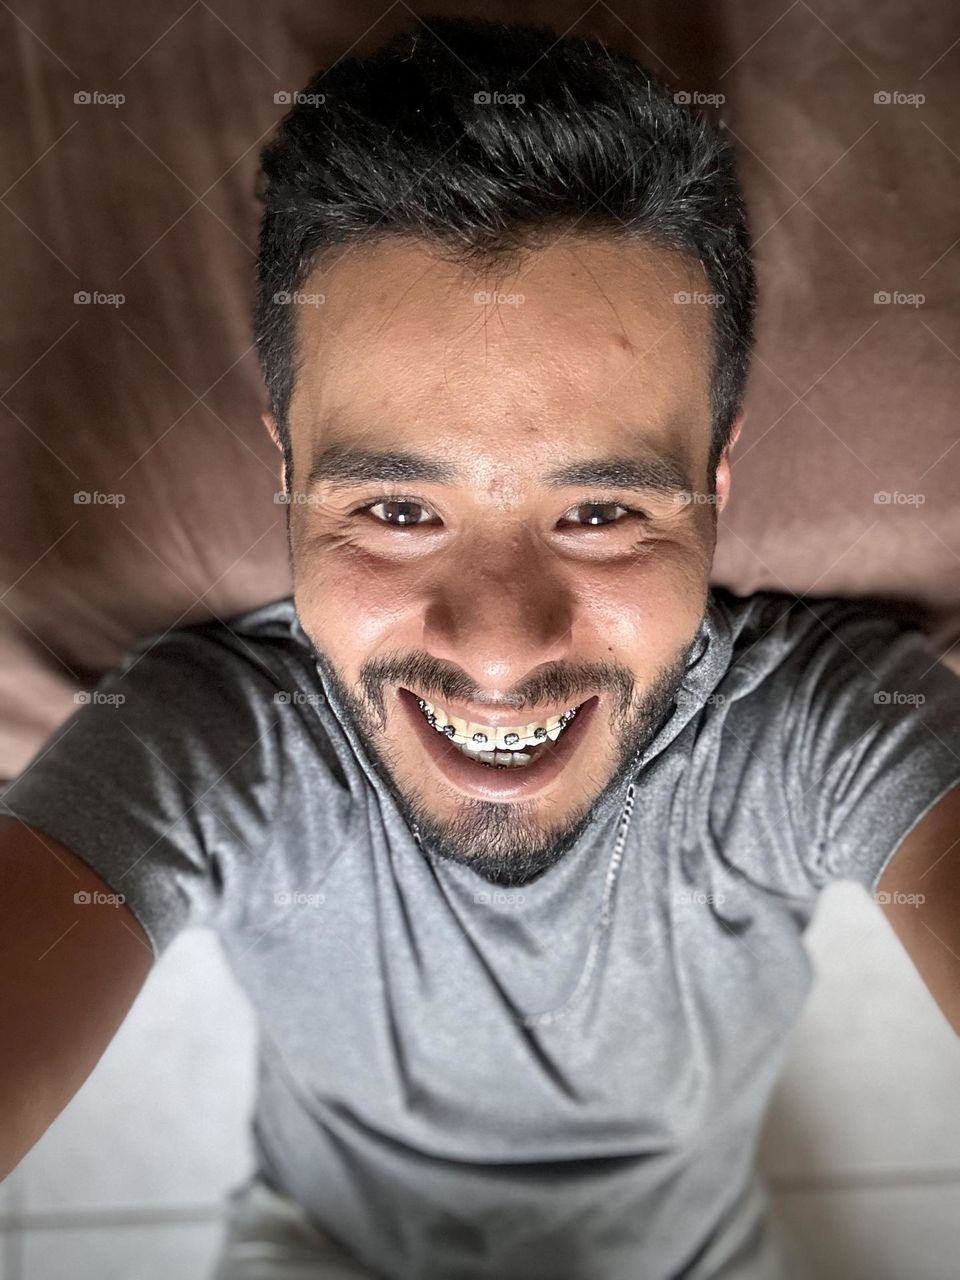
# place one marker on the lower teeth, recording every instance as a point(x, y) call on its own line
point(498, 759)
point(519, 760)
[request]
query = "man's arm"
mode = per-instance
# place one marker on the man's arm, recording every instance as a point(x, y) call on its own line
point(70, 968)
point(919, 892)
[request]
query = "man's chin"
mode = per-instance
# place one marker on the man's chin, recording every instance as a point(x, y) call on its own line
point(496, 841)
point(507, 843)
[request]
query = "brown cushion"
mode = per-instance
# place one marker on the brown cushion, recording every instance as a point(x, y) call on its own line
point(157, 399)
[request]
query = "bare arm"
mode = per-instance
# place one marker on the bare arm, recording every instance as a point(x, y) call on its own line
point(919, 892)
point(69, 971)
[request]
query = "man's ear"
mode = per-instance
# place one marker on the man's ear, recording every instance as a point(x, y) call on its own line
point(270, 422)
point(723, 466)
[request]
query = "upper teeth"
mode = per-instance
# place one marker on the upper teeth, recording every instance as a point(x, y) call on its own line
point(481, 737)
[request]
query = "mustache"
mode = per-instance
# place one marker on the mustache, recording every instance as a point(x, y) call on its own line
point(552, 685)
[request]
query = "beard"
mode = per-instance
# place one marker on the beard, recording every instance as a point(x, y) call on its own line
point(503, 843)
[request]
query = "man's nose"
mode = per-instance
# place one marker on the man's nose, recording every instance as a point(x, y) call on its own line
point(500, 613)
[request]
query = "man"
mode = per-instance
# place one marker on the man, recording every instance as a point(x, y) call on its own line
point(509, 824)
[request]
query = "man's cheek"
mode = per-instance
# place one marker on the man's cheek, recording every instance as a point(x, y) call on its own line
point(651, 605)
point(354, 614)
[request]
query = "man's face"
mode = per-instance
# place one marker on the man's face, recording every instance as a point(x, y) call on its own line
point(466, 568)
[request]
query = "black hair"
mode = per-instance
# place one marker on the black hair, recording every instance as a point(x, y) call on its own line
point(483, 138)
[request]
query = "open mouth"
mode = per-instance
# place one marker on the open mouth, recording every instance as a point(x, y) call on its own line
point(514, 763)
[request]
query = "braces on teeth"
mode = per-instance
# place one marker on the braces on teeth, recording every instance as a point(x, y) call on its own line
point(504, 751)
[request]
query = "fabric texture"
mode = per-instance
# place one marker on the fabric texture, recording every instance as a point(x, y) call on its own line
point(270, 1237)
point(544, 1083)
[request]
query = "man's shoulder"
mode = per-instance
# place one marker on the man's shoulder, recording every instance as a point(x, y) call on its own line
point(265, 641)
point(781, 650)
point(765, 627)
point(274, 622)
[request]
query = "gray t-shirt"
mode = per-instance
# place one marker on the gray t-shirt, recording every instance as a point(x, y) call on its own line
point(563, 1081)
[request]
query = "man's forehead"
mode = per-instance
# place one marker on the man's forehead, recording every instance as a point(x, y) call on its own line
point(569, 359)
point(571, 308)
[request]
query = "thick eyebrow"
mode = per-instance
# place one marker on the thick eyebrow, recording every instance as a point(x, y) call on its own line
point(664, 475)
point(345, 466)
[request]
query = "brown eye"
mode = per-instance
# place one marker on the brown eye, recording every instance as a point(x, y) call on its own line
point(602, 514)
point(400, 513)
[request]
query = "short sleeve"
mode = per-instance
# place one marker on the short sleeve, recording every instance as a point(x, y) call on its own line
point(869, 733)
point(163, 780)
